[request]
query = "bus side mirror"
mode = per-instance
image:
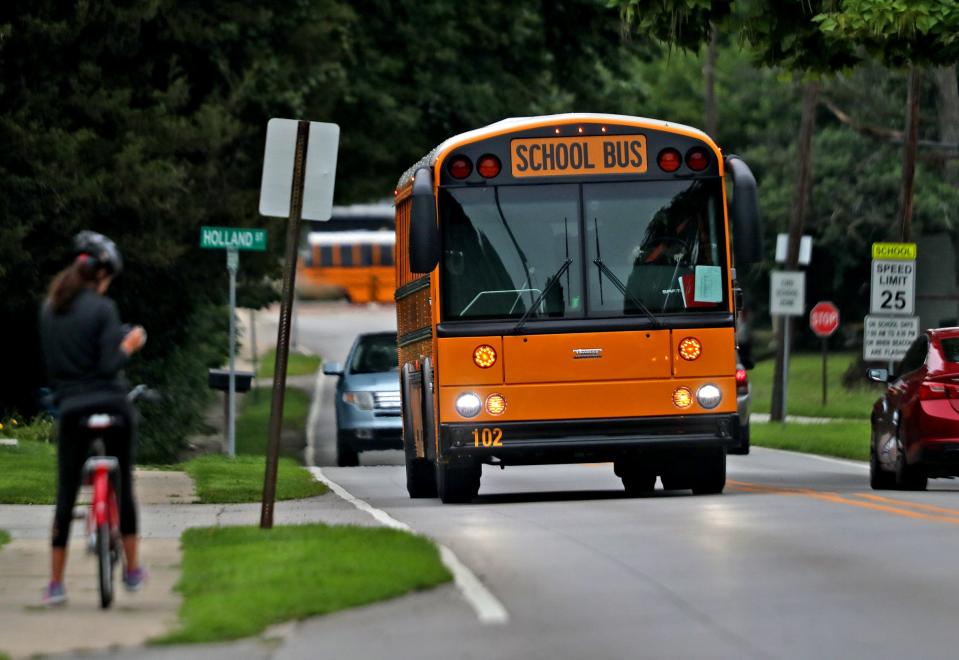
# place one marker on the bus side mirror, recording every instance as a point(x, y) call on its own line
point(747, 239)
point(424, 238)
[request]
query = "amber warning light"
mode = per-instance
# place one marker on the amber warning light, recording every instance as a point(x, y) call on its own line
point(484, 356)
point(690, 348)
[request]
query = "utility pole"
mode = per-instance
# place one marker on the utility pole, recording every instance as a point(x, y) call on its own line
point(801, 192)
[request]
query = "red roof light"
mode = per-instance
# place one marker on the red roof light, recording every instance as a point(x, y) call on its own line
point(488, 166)
point(460, 167)
point(697, 159)
point(669, 160)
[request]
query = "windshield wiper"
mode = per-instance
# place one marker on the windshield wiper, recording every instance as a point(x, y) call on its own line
point(550, 283)
point(622, 289)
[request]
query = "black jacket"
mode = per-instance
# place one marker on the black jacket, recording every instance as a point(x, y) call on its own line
point(82, 349)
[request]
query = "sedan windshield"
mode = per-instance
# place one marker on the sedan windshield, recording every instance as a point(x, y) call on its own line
point(375, 354)
point(600, 250)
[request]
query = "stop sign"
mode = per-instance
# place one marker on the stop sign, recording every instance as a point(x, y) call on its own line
point(824, 319)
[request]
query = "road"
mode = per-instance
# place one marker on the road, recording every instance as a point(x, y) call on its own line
point(797, 559)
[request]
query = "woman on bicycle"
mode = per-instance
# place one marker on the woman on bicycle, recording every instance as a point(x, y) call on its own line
point(86, 347)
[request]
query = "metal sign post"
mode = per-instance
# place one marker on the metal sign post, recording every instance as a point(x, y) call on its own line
point(787, 298)
point(232, 264)
point(297, 189)
point(232, 239)
point(824, 321)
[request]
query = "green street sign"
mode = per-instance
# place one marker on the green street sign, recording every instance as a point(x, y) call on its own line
point(232, 238)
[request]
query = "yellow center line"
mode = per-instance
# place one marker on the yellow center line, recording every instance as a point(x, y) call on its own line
point(914, 505)
point(893, 506)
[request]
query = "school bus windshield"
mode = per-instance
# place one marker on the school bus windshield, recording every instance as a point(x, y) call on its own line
point(619, 249)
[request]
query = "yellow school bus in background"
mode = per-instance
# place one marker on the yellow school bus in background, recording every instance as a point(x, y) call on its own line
point(566, 293)
point(350, 255)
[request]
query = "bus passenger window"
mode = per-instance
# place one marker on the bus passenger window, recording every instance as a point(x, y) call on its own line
point(346, 255)
point(326, 255)
point(386, 255)
point(366, 255)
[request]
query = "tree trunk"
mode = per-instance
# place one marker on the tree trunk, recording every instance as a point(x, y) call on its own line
point(807, 127)
point(909, 154)
point(709, 76)
point(947, 109)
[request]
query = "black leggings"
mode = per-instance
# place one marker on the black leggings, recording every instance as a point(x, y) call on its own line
point(73, 447)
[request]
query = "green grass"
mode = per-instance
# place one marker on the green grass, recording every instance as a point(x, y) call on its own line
point(28, 473)
point(298, 364)
point(220, 479)
point(253, 419)
point(4, 537)
point(805, 387)
point(844, 439)
point(236, 581)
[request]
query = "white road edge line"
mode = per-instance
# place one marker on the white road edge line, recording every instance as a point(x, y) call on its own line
point(828, 459)
point(311, 420)
point(489, 610)
point(487, 607)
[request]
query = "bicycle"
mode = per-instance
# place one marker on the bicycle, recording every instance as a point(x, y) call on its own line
point(102, 473)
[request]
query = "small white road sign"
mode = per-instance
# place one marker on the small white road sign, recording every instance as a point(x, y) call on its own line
point(277, 184)
point(893, 290)
point(787, 293)
point(886, 338)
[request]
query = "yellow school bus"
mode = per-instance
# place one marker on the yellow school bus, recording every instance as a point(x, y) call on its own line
point(566, 293)
point(350, 255)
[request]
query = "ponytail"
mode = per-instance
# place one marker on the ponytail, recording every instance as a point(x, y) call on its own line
point(80, 274)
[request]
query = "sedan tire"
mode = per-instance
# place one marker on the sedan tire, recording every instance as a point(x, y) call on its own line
point(346, 456)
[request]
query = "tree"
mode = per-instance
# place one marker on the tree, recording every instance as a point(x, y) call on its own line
point(917, 33)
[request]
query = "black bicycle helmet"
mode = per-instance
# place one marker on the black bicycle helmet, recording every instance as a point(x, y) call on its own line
point(100, 250)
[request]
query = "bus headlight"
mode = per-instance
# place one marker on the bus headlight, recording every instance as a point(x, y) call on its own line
point(362, 400)
point(709, 396)
point(468, 404)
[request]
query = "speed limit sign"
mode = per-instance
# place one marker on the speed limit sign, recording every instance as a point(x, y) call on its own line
point(893, 290)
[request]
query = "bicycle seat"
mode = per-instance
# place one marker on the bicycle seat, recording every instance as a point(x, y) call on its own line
point(101, 421)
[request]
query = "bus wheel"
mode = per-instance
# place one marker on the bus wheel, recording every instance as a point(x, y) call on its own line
point(636, 480)
point(420, 479)
point(457, 483)
point(710, 478)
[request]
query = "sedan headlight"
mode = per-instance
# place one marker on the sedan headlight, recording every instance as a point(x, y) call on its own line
point(709, 396)
point(361, 400)
point(468, 404)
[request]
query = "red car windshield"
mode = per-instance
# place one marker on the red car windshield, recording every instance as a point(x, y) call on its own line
point(950, 349)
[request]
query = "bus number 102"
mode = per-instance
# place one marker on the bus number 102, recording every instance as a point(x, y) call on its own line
point(487, 437)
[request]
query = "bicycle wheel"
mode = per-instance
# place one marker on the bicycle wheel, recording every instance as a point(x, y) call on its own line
point(105, 561)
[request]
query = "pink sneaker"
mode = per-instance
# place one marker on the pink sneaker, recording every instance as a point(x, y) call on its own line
point(135, 579)
point(55, 594)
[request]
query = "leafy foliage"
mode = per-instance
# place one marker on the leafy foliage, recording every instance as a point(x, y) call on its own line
point(920, 31)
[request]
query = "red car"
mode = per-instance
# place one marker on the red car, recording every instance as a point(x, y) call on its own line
point(915, 424)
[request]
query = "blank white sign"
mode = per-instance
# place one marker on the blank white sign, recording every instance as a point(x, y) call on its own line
point(277, 184)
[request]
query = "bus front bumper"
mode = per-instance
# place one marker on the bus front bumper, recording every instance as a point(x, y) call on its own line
point(587, 440)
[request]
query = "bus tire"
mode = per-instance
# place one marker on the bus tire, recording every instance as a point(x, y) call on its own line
point(710, 478)
point(636, 480)
point(346, 456)
point(457, 483)
point(420, 478)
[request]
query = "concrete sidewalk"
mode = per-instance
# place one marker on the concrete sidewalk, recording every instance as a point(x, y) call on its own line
point(27, 630)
